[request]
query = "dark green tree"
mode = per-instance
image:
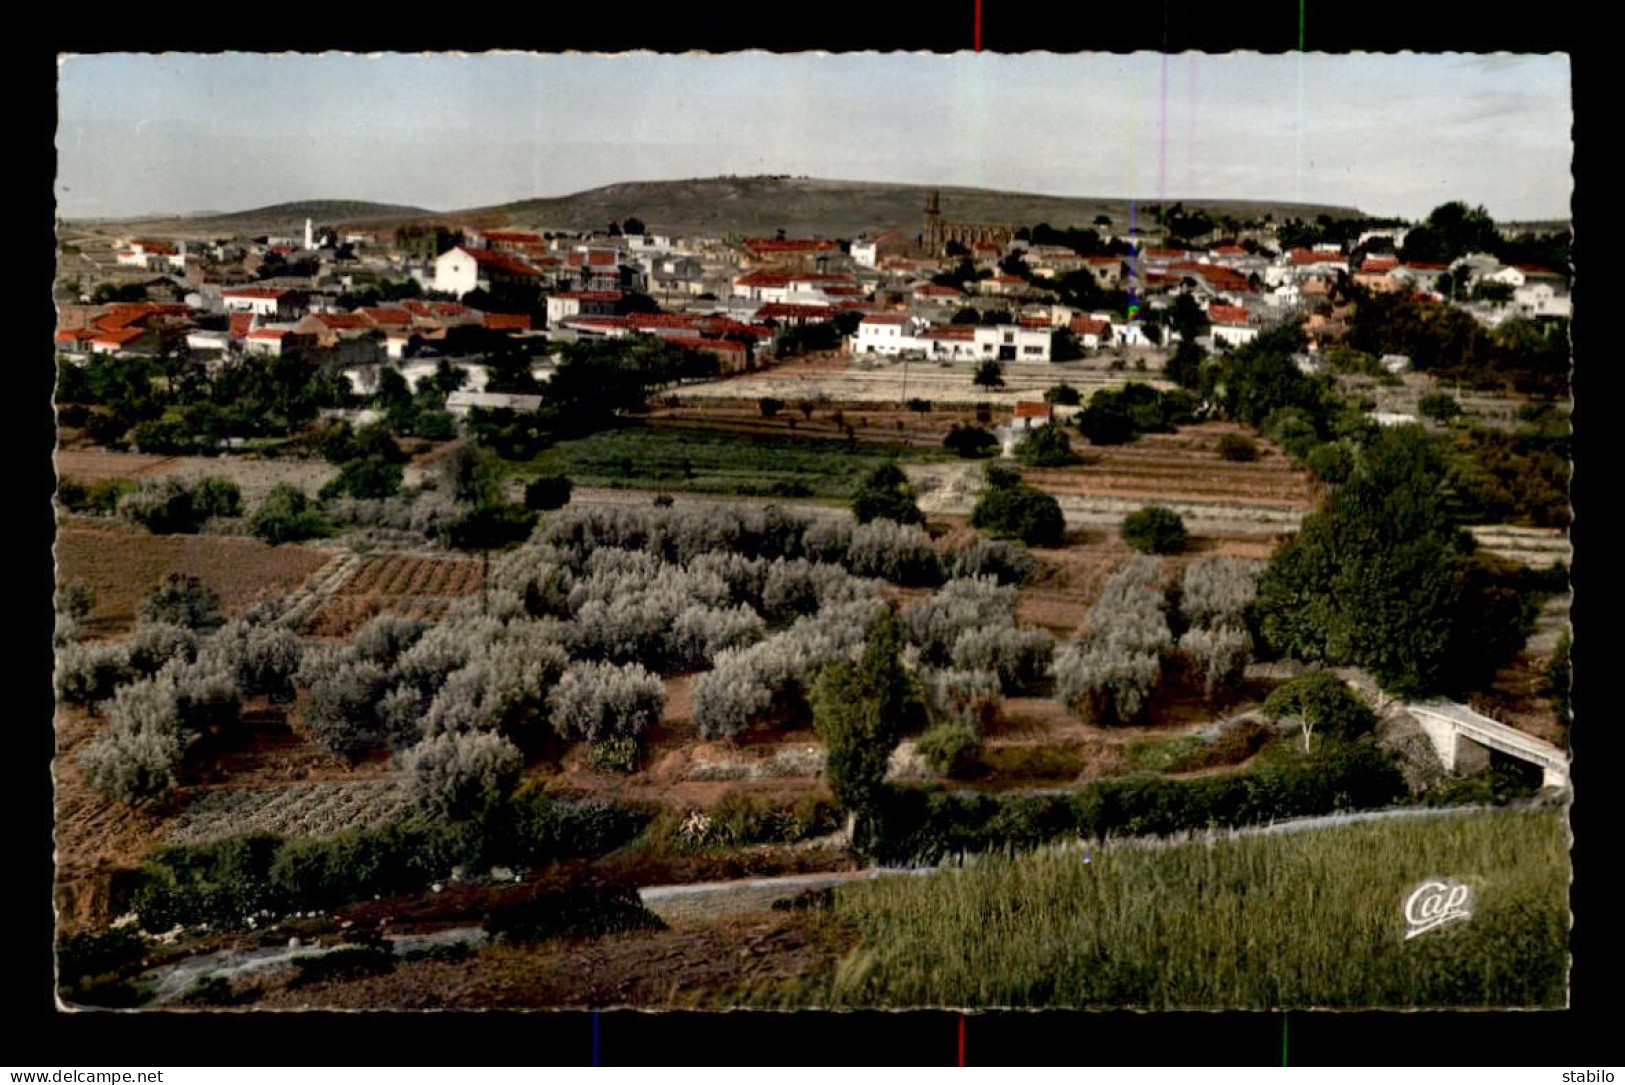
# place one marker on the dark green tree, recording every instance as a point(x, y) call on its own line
point(860, 712)
point(886, 495)
point(989, 374)
point(1383, 578)
point(1154, 530)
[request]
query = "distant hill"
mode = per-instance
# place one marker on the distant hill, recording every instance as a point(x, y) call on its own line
point(717, 206)
point(282, 218)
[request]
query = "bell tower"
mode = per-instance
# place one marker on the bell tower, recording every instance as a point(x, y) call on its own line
point(932, 238)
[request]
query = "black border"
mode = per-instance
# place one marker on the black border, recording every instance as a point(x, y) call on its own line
point(41, 1035)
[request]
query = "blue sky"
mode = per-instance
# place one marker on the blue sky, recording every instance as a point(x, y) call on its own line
point(1391, 134)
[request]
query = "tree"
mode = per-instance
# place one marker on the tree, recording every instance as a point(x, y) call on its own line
point(886, 495)
point(547, 493)
point(770, 406)
point(633, 227)
point(989, 374)
point(1154, 530)
point(1382, 577)
point(1046, 446)
point(1184, 367)
point(919, 406)
point(185, 601)
point(1011, 509)
point(1238, 448)
point(970, 442)
point(463, 777)
point(1324, 701)
point(1063, 394)
point(285, 515)
point(860, 712)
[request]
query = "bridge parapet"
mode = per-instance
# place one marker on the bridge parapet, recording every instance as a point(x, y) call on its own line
point(1447, 723)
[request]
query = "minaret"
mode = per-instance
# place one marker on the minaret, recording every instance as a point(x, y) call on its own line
point(310, 237)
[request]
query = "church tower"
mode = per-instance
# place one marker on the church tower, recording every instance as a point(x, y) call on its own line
point(932, 238)
point(310, 236)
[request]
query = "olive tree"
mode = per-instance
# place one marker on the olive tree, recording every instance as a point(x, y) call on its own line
point(462, 777)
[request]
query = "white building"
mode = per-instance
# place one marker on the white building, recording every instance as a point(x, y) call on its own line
point(264, 301)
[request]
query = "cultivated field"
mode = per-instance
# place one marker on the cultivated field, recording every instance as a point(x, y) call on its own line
point(121, 565)
point(412, 584)
point(1182, 926)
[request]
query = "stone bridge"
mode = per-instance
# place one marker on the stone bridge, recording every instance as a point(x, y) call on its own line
point(1463, 738)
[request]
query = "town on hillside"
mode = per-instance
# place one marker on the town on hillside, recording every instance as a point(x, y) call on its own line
point(462, 613)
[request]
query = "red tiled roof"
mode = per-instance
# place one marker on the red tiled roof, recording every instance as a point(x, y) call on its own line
point(343, 321)
point(383, 314)
point(1084, 325)
point(75, 335)
point(598, 321)
point(938, 290)
point(1302, 257)
point(764, 278)
point(1419, 265)
point(253, 292)
point(513, 237)
point(508, 322)
point(1228, 250)
point(594, 258)
point(504, 262)
point(763, 245)
point(780, 310)
point(719, 346)
point(1379, 263)
point(240, 323)
point(950, 331)
point(1104, 259)
point(119, 336)
point(1035, 410)
point(836, 291)
point(664, 320)
point(1227, 314)
point(1164, 254)
point(1007, 280)
point(884, 318)
point(1034, 322)
point(268, 333)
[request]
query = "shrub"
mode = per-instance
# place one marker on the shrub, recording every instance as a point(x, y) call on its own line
point(616, 754)
point(769, 406)
point(1112, 682)
point(386, 637)
point(1006, 562)
point(71, 604)
point(885, 494)
point(285, 514)
point(459, 777)
point(341, 708)
point(163, 506)
point(951, 749)
point(970, 442)
point(1019, 657)
point(584, 910)
point(1046, 446)
point(1154, 530)
point(1011, 509)
point(1064, 394)
point(97, 498)
point(548, 493)
point(216, 496)
point(1219, 591)
point(184, 600)
point(895, 552)
point(345, 963)
point(959, 605)
point(1238, 448)
point(1218, 655)
point(1439, 406)
point(132, 762)
point(970, 699)
point(262, 658)
point(368, 478)
point(504, 688)
point(1331, 462)
point(700, 632)
point(156, 643)
point(88, 673)
point(600, 702)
